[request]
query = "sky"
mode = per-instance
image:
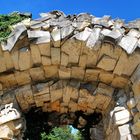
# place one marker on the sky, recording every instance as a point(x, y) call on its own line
point(124, 9)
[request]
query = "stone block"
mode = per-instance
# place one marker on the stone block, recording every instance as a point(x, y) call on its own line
point(6, 132)
point(25, 60)
point(55, 56)
point(131, 103)
point(136, 128)
point(51, 71)
point(64, 73)
point(46, 60)
point(22, 78)
point(136, 75)
point(91, 75)
point(21, 101)
point(66, 95)
point(122, 117)
point(41, 97)
point(56, 36)
point(66, 31)
point(72, 48)
point(45, 49)
point(92, 56)
point(136, 90)
point(106, 77)
point(72, 106)
point(82, 104)
point(107, 63)
point(8, 60)
point(110, 50)
point(83, 36)
point(37, 74)
point(104, 89)
point(124, 130)
point(127, 64)
point(2, 64)
point(77, 73)
point(56, 95)
point(8, 81)
point(134, 33)
point(55, 106)
point(64, 59)
point(35, 54)
point(27, 94)
point(15, 58)
point(93, 38)
point(128, 43)
point(83, 61)
point(119, 82)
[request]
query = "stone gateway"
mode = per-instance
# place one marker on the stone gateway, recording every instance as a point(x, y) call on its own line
point(80, 66)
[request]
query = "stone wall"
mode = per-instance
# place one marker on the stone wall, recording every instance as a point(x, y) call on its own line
point(70, 63)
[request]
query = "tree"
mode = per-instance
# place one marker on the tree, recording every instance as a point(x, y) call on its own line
point(61, 133)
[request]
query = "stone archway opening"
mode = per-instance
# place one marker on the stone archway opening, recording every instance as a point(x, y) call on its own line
point(79, 66)
point(38, 122)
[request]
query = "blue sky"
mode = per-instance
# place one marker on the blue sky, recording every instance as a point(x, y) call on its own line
point(125, 9)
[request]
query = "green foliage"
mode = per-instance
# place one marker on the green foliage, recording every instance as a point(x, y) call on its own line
point(5, 24)
point(61, 133)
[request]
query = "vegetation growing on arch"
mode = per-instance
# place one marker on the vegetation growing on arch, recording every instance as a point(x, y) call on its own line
point(6, 21)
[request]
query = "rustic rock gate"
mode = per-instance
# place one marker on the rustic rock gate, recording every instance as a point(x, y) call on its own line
point(65, 64)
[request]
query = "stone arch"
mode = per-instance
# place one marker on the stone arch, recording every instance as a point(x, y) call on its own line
point(72, 63)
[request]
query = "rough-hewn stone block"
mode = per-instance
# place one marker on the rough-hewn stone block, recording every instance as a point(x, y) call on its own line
point(55, 56)
point(37, 74)
point(25, 60)
point(107, 63)
point(51, 71)
point(35, 54)
point(77, 73)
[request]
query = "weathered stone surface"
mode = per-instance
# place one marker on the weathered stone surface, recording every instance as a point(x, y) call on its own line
point(136, 75)
point(51, 71)
point(119, 82)
point(45, 49)
point(22, 78)
point(91, 74)
point(8, 81)
point(105, 90)
point(8, 60)
point(56, 95)
point(77, 73)
point(82, 61)
point(83, 36)
point(131, 103)
point(15, 58)
point(110, 50)
point(136, 90)
point(107, 63)
point(35, 54)
point(55, 56)
point(2, 64)
point(93, 38)
point(128, 43)
point(64, 59)
point(106, 77)
point(126, 65)
point(37, 74)
point(72, 47)
point(64, 73)
point(46, 60)
point(122, 117)
point(25, 60)
point(56, 36)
